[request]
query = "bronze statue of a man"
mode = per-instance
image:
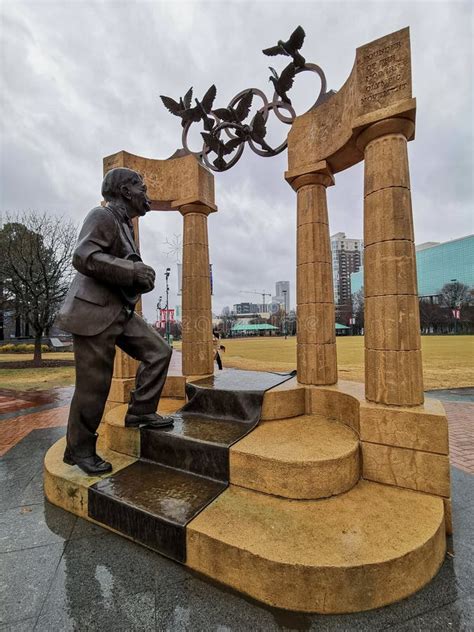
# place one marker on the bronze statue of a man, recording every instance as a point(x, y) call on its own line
point(99, 312)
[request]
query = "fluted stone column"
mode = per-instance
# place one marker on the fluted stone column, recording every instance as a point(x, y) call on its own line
point(316, 338)
point(196, 306)
point(393, 367)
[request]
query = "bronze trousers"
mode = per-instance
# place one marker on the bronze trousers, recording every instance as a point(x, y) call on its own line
point(94, 358)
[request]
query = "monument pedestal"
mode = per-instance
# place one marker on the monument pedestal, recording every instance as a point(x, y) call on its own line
point(312, 520)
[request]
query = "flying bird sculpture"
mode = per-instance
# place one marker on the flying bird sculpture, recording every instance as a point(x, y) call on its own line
point(188, 114)
point(258, 131)
point(220, 148)
point(226, 130)
point(284, 82)
point(290, 48)
point(238, 113)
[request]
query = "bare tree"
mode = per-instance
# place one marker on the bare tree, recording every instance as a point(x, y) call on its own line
point(35, 267)
point(454, 294)
point(358, 303)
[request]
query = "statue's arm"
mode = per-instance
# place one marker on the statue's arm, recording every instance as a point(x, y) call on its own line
point(92, 257)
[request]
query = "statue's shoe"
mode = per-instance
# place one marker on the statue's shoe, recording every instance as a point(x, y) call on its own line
point(150, 420)
point(92, 465)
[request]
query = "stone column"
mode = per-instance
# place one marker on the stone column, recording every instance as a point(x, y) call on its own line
point(393, 367)
point(196, 306)
point(316, 338)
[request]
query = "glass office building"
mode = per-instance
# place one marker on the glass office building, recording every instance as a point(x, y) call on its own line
point(436, 265)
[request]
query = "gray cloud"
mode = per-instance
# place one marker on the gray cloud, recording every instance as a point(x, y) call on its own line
point(80, 80)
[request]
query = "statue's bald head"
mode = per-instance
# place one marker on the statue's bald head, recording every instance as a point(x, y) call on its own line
point(115, 179)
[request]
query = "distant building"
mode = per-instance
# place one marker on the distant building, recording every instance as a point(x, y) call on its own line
point(245, 308)
point(437, 265)
point(282, 294)
point(347, 258)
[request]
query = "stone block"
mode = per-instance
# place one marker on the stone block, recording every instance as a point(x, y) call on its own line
point(390, 268)
point(180, 180)
point(418, 428)
point(314, 283)
point(386, 163)
point(411, 469)
point(317, 364)
point(388, 216)
point(392, 323)
point(124, 365)
point(334, 404)
point(174, 387)
point(198, 358)
point(312, 205)
point(312, 243)
point(394, 377)
point(316, 323)
point(120, 389)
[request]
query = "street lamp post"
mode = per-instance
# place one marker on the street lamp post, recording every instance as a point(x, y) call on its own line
point(167, 329)
point(158, 310)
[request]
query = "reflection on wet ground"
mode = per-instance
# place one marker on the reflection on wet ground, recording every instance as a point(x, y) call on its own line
point(64, 573)
point(15, 403)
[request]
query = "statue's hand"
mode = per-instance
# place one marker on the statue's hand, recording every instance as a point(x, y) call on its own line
point(144, 277)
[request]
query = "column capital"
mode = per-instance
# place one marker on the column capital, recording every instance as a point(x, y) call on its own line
point(201, 209)
point(402, 126)
point(318, 173)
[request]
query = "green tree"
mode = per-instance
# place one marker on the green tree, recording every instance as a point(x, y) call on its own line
point(35, 268)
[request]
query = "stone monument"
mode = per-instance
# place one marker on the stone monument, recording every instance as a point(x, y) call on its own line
point(339, 499)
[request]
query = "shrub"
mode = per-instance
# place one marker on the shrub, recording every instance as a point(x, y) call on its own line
point(21, 348)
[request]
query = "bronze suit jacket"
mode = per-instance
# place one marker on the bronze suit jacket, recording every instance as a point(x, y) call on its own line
point(94, 299)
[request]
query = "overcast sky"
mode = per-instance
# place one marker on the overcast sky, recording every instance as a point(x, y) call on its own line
point(80, 80)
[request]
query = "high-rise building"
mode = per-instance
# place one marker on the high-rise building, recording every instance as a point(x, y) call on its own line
point(347, 258)
point(282, 294)
point(438, 264)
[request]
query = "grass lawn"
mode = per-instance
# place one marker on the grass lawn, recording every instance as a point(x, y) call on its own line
point(447, 361)
point(36, 379)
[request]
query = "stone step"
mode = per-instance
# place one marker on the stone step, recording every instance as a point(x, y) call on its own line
point(364, 549)
point(152, 504)
point(308, 456)
point(195, 443)
point(304, 457)
point(127, 440)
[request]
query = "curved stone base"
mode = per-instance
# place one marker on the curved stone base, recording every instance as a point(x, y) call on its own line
point(361, 550)
point(306, 457)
